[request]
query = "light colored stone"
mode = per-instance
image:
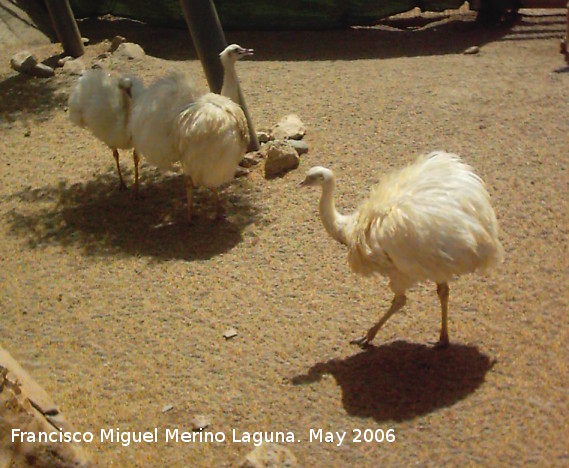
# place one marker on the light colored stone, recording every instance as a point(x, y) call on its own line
point(199, 422)
point(472, 50)
point(289, 127)
point(270, 455)
point(263, 137)
point(41, 70)
point(167, 408)
point(251, 159)
point(130, 51)
point(62, 60)
point(300, 146)
point(281, 158)
point(74, 67)
point(242, 172)
point(23, 61)
point(230, 333)
point(116, 42)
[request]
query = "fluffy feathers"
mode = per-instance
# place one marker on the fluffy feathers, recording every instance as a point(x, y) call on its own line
point(429, 221)
point(99, 104)
point(102, 103)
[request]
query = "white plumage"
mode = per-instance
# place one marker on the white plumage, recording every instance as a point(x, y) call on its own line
point(102, 103)
point(429, 221)
point(206, 133)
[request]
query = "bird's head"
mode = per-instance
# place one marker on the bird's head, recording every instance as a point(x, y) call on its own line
point(132, 86)
point(234, 52)
point(317, 176)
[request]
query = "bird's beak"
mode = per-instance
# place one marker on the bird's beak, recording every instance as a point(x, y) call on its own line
point(247, 51)
point(302, 184)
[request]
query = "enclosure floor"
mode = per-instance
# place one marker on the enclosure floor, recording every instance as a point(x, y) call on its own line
point(118, 308)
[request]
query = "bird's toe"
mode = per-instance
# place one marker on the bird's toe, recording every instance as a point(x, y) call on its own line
point(362, 342)
point(441, 344)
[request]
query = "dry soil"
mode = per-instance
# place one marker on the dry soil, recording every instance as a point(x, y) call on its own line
point(118, 307)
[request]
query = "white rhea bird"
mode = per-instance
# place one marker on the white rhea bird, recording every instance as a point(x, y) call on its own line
point(102, 103)
point(429, 221)
point(207, 133)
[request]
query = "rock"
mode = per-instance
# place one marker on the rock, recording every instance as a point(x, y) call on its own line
point(300, 146)
point(269, 455)
point(242, 172)
point(472, 50)
point(41, 70)
point(130, 51)
point(62, 60)
point(289, 127)
point(263, 137)
point(199, 422)
point(281, 158)
point(116, 42)
point(23, 61)
point(26, 62)
point(231, 333)
point(251, 159)
point(74, 67)
point(167, 408)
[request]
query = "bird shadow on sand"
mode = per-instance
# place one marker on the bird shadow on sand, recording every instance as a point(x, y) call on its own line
point(27, 98)
point(399, 381)
point(102, 220)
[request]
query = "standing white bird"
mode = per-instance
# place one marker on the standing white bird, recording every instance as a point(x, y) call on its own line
point(429, 221)
point(102, 103)
point(207, 133)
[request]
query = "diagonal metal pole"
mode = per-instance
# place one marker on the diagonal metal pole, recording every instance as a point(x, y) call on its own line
point(65, 27)
point(209, 41)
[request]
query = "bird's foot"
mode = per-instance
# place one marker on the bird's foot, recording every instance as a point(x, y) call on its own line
point(364, 342)
point(441, 344)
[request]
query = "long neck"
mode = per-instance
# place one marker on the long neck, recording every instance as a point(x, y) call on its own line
point(336, 224)
point(230, 86)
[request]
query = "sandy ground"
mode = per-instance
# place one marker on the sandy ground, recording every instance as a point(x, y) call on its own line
point(118, 308)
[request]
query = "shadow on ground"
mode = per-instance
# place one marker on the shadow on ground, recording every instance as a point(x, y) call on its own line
point(25, 97)
point(407, 37)
point(400, 381)
point(102, 220)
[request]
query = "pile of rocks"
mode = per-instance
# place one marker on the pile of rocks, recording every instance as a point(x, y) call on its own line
point(281, 147)
point(26, 62)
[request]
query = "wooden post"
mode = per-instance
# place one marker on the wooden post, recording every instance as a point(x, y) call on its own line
point(209, 41)
point(566, 38)
point(65, 27)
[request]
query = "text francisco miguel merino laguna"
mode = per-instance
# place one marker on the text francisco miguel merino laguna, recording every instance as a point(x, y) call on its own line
point(125, 438)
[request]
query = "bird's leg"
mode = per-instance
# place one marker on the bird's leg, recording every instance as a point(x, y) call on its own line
point(136, 159)
point(122, 185)
point(443, 293)
point(190, 195)
point(218, 208)
point(398, 302)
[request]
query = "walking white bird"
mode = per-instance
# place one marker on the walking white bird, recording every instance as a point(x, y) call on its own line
point(207, 133)
point(102, 103)
point(429, 221)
